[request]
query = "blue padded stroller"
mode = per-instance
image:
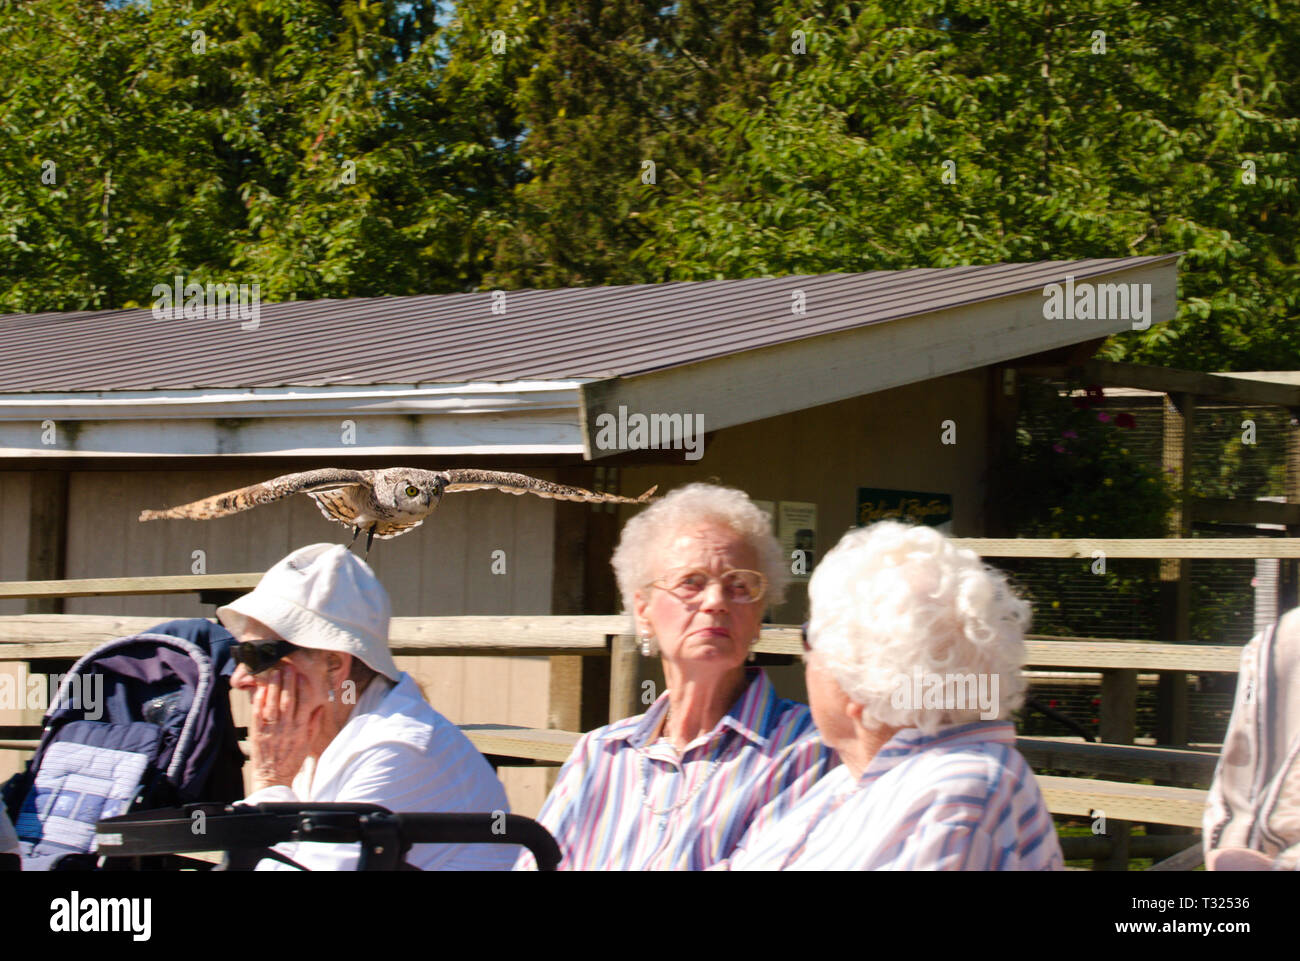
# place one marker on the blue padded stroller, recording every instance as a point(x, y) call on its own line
point(140, 722)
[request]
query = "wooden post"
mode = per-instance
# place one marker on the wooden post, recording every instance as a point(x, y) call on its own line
point(47, 545)
point(1172, 712)
point(624, 677)
point(1176, 575)
point(1003, 409)
point(1288, 586)
point(600, 596)
point(1118, 723)
point(583, 583)
point(568, 582)
point(47, 536)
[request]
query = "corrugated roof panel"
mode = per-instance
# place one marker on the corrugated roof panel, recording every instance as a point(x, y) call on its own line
point(455, 338)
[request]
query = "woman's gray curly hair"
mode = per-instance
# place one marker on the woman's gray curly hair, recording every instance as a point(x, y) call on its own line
point(891, 601)
point(645, 536)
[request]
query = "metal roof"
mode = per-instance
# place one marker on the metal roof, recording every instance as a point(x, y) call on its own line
point(590, 332)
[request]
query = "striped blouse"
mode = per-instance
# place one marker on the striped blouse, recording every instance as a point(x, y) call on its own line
point(960, 799)
point(624, 802)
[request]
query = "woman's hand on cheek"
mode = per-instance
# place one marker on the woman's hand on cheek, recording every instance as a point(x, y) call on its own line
point(283, 725)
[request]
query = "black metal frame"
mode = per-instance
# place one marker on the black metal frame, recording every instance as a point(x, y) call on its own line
point(247, 832)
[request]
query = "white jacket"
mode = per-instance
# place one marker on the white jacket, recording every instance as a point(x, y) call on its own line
point(1252, 810)
point(397, 751)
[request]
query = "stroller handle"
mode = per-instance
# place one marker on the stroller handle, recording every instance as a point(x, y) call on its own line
point(231, 828)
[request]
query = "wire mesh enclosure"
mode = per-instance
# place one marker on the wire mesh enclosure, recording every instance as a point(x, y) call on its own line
point(1237, 453)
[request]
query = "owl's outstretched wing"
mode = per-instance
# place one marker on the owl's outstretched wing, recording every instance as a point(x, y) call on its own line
point(255, 495)
point(473, 480)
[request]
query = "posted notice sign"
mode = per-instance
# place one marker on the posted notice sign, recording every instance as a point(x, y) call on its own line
point(796, 529)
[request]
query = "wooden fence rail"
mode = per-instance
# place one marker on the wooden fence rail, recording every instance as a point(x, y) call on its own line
point(1171, 548)
point(126, 586)
point(1058, 547)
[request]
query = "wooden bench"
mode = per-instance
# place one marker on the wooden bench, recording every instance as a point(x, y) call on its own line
point(1064, 795)
point(1119, 760)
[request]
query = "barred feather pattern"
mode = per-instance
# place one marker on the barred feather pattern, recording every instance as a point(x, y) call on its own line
point(386, 503)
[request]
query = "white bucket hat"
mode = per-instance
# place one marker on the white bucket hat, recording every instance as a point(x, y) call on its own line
point(323, 597)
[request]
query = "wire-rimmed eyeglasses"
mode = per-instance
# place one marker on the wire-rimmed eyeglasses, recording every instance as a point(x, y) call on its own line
point(738, 586)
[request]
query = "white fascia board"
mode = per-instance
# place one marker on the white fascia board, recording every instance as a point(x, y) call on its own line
point(279, 401)
point(769, 381)
point(1272, 376)
point(475, 419)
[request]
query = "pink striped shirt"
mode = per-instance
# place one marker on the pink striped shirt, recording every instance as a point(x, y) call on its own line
point(624, 802)
point(960, 799)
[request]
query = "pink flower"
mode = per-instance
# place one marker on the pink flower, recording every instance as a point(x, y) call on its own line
point(1070, 434)
point(1103, 416)
point(1058, 448)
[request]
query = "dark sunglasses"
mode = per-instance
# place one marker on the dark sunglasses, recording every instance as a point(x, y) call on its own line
point(803, 635)
point(257, 656)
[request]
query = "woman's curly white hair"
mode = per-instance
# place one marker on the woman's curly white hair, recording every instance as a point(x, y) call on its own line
point(890, 599)
point(636, 560)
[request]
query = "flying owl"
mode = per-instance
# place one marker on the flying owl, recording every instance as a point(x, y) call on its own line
point(383, 503)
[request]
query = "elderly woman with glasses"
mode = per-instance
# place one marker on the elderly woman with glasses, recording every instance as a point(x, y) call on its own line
point(913, 658)
point(677, 787)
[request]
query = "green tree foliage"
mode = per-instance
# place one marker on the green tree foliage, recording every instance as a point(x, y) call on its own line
point(316, 148)
point(616, 86)
point(1055, 151)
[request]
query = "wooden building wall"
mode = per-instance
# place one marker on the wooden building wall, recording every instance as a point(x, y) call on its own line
point(15, 497)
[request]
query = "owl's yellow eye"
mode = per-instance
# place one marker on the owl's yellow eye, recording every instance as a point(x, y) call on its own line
point(411, 490)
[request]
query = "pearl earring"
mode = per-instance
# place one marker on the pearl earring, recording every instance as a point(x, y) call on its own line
point(649, 647)
point(331, 695)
